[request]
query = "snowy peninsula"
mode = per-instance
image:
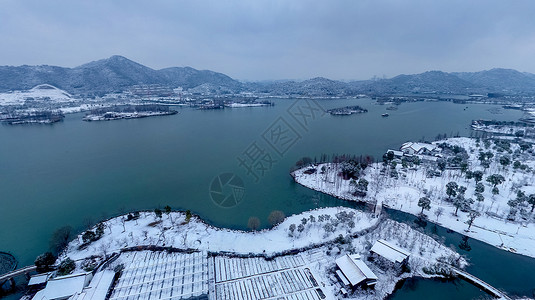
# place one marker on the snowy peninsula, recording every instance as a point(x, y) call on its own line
point(313, 241)
point(483, 188)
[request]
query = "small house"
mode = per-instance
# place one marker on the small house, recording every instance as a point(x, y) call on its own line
point(39, 280)
point(396, 153)
point(354, 272)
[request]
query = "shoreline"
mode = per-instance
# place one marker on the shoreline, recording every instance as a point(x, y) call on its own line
point(172, 231)
point(403, 194)
point(457, 230)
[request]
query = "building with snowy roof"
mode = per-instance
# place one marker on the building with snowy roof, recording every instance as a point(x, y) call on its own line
point(396, 153)
point(354, 272)
point(63, 287)
point(98, 287)
point(390, 252)
point(83, 286)
point(411, 148)
point(38, 280)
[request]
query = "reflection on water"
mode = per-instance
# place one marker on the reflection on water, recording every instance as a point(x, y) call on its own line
point(437, 289)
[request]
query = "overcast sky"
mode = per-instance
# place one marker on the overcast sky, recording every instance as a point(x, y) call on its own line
point(272, 39)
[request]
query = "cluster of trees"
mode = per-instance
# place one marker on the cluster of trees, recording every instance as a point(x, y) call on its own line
point(167, 210)
point(328, 223)
point(485, 158)
point(66, 267)
point(90, 236)
point(521, 204)
point(360, 187)
point(362, 160)
point(274, 218)
point(45, 263)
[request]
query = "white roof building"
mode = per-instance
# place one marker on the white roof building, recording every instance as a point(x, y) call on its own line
point(63, 287)
point(417, 148)
point(396, 153)
point(98, 288)
point(38, 279)
point(355, 271)
point(390, 252)
point(83, 286)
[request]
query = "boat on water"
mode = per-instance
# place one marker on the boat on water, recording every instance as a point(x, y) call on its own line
point(385, 115)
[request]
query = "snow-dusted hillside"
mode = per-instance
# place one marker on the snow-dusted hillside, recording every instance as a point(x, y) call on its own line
point(43, 93)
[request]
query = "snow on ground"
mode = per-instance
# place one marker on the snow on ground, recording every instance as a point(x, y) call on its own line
point(322, 229)
point(113, 115)
point(404, 192)
point(43, 92)
point(426, 254)
point(239, 105)
point(172, 231)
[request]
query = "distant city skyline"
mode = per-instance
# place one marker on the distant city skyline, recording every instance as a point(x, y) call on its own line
point(272, 40)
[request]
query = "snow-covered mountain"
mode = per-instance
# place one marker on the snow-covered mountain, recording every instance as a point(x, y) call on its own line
point(114, 74)
point(117, 73)
point(501, 80)
point(431, 81)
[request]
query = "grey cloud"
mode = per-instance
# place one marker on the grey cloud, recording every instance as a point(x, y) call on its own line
point(275, 39)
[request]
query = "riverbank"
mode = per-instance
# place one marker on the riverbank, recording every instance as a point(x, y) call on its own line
point(497, 213)
point(319, 237)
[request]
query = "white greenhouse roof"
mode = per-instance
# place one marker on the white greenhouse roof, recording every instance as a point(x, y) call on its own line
point(99, 286)
point(390, 251)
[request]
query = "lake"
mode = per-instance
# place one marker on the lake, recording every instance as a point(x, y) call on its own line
point(76, 173)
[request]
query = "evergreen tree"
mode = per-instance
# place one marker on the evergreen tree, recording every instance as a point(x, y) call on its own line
point(495, 179)
point(451, 189)
point(480, 187)
point(424, 203)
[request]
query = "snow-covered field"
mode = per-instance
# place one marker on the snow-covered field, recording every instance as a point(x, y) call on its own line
point(526, 130)
point(172, 230)
point(403, 193)
point(43, 92)
point(325, 233)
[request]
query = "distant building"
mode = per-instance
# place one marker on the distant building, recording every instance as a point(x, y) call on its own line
point(396, 153)
point(151, 90)
point(476, 96)
point(354, 272)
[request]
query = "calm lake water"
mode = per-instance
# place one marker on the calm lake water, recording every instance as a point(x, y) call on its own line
point(75, 172)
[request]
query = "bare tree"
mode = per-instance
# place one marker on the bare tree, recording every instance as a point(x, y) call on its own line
point(438, 212)
point(276, 217)
point(471, 217)
point(253, 223)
